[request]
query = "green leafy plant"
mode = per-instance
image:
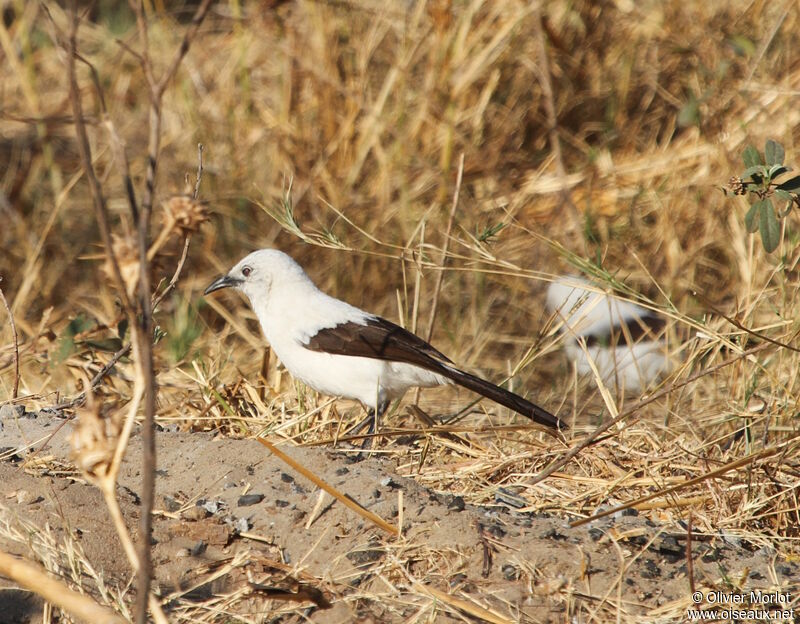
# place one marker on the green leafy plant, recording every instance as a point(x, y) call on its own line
point(67, 343)
point(183, 329)
point(760, 181)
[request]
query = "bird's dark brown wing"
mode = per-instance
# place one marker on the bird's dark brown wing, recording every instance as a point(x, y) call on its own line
point(383, 340)
point(379, 339)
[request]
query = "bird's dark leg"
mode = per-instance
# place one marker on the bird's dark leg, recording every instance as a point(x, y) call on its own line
point(378, 414)
point(372, 421)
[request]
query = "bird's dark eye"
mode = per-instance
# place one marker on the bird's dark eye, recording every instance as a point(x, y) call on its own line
point(246, 271)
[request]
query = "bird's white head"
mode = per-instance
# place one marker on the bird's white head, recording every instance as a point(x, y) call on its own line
point(259, 272)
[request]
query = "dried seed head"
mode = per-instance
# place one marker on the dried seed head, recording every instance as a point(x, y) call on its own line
point(128, 259)
point(186, 213)
point(736, 185)
point(94, 441)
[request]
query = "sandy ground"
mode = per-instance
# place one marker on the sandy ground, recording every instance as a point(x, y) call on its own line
point(229, 509)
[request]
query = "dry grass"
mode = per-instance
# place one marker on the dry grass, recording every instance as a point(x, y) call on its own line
point(366, 110)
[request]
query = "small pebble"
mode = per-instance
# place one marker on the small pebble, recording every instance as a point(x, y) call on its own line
point(510, 572)
point(249, 499)
point(170, 504)
point(12, 411)
point(50, 412)
point(670, 548)
point(456, 504)
point(195, 514)
point(457, 579)
point(651, 570)
point(364, 557)
point(552, 533)
point(198, 548)
point(242, 525)
point(211, 507)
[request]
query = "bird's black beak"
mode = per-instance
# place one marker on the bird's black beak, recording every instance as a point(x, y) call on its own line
point(224, 281)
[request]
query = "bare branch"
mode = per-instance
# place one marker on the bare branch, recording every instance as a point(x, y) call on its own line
point(145, 334)
point(190, 33)
point(199, 176)
point(95, 381)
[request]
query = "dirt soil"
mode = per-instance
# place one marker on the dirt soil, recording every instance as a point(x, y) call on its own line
point(229, 509)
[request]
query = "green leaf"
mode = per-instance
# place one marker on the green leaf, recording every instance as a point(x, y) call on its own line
point(792, 184)
point(786, 210)
point(66, 343)
point(110, 345)
point(777, 170)
point(490, 232)
point(750, 219)
point(783, 194)
point(768, 226)
point(751, 157)
point(774, 153)
point(78, 325)
point(759, 171)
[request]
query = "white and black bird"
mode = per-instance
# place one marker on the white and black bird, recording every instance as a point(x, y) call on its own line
point(624, 341)
point(340, 350)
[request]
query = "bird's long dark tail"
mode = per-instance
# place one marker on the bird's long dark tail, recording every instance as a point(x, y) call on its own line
point(502, 396)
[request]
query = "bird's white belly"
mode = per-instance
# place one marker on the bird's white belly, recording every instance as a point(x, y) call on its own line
point(367, 380)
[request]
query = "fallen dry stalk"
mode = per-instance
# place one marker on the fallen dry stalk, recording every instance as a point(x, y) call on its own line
point(342, 498)
point(462, 605)
point(35, 579)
